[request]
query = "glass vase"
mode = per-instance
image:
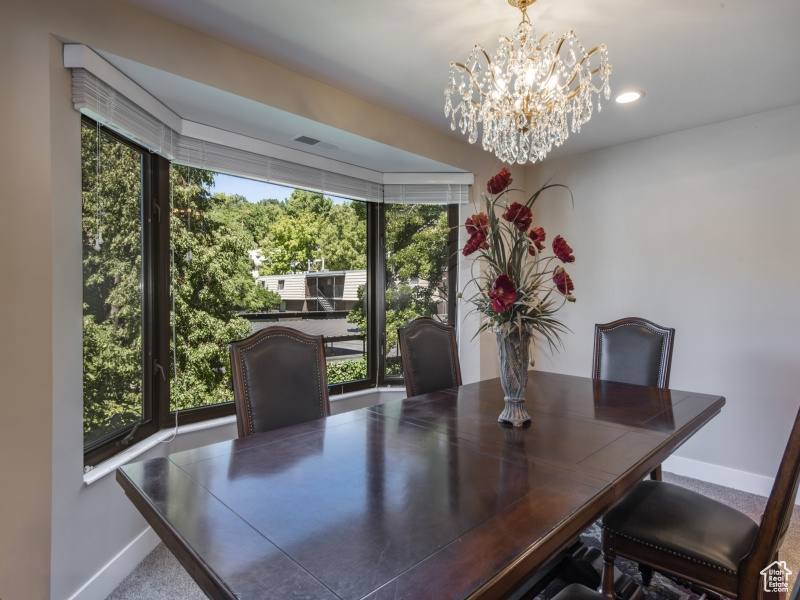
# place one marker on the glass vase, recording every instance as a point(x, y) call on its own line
point(513, 353)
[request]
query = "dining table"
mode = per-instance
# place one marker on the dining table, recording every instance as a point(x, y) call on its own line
point(426, 497)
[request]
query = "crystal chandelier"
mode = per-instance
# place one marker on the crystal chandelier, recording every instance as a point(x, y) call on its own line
point(524, 93)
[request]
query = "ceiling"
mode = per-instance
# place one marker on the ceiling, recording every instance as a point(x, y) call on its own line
point(698, 61)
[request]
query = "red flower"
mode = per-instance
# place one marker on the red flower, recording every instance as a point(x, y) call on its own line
point(520, 215)
point(478, 224)
point(537, 236)
point(563, 283)
point(499, 182)
point(473, 243)
point(562, 250)
point(478, 228)
point(503, 294)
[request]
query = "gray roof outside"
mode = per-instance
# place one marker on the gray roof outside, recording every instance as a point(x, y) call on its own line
point(328, 328)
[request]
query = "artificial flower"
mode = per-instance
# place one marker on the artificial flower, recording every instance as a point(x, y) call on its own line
point(562, 250)
point(503, 293)
point(519, 215)
point(478, 224)
point(474, 243)
point(563, 283)
point(499, 182)
point(478, 228)
point(537, 236)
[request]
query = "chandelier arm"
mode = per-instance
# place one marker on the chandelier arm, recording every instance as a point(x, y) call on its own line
point(471, 76)
point(574, 92)
point(575, 73)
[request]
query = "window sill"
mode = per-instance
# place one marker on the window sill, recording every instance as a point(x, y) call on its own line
point(167, 435)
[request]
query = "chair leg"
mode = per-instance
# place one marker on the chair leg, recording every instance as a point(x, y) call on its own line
point(647, 574)
point(655, 475)
point(609, 554)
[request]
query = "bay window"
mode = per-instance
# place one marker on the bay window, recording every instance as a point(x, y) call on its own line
point(175, 269)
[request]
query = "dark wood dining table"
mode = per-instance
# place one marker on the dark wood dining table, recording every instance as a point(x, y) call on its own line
point(427, 497)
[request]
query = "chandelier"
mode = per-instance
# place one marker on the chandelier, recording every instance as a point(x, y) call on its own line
point(526, 92)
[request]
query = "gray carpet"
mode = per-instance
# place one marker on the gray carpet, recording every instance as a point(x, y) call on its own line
point(160, 575)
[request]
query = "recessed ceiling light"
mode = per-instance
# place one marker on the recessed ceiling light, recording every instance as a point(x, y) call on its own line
point(631, 96)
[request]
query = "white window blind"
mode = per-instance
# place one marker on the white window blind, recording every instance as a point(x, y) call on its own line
point(104, 104)
point(426, 193)
point(100, 101)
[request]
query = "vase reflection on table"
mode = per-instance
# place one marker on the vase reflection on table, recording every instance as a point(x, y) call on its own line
point(519, 290)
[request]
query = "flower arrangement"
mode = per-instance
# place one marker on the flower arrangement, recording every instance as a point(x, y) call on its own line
point(520, 290)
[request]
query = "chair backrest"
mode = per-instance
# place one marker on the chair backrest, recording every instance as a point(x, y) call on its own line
point(775, 521)
point(279, 379)
point(633, 350)
point(429, 355)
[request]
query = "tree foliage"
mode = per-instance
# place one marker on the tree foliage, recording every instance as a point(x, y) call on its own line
point(211, 283)
point(112, 301)
point(416, 265)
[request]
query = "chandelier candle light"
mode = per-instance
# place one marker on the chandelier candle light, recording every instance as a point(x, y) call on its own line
point(519, 289)
point(526, 90)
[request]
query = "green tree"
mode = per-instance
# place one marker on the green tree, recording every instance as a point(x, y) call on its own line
point(343, 238)
point(416, 266)
point(292, 242)
point(212, 282)
point(305, 202)
point(112, 302)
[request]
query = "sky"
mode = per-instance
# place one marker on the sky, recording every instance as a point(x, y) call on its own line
point(249, 188)
point(255, 190)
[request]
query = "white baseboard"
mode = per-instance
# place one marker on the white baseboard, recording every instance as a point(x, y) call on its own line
point(739, 480)
point(118, 568)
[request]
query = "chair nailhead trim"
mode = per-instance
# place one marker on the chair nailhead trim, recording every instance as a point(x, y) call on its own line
point(668, 551)
point(244, 369)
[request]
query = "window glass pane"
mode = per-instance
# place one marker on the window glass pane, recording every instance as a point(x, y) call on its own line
point(250, 255)
point(112, 283)
point(416, 270)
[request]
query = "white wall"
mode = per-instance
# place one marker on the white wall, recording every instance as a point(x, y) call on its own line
point(700, 231)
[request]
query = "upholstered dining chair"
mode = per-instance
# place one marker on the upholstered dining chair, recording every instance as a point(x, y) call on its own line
point(429, 356)
point(279, 379)
point(686, 535)
point(633, 350)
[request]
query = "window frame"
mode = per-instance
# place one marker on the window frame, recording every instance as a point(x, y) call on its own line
point(452, 282)
point(156, 306)
point(150, 422)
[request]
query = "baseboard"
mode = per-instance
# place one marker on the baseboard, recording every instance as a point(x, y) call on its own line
point(739, 480)
point(118, 568)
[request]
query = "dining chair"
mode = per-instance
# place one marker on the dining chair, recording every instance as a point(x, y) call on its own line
point(279, 379)
point(686, 535)
point(429, 356)
point(633, 350)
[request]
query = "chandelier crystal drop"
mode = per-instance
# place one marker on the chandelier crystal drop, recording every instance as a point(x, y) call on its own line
point(529, 93)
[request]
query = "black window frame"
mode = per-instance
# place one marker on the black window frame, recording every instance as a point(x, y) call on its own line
point(452, 282)
point(151, 421)
point(156, 319)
